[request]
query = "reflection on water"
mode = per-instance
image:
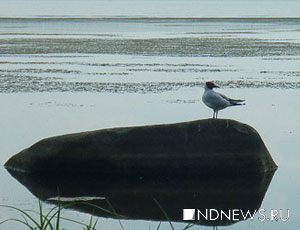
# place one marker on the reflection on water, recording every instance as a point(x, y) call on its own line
point(148, 200)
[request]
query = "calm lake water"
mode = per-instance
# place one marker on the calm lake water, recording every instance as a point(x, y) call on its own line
point(69, 67)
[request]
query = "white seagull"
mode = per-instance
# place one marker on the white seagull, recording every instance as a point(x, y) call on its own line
point(217, 101)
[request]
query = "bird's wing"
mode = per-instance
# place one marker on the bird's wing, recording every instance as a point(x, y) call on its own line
point(224, 97)
point(231, 101)
point(217, 99)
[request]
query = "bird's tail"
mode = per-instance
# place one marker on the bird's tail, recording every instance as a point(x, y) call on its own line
point(237, 102)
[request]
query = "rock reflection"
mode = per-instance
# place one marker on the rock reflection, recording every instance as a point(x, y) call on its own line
point(147, 200)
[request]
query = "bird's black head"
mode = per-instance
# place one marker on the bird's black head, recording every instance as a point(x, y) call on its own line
point(211, 85)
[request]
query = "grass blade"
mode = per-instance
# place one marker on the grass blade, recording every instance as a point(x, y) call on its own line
point(115, 213)
point(165, 214)
point(94, 226)
point(189, 225)
point(100, 208)
point(24, 213)
point(48, 220)
point(17, 220)
point(41, 215)
point(58, 215)
point(158, 226)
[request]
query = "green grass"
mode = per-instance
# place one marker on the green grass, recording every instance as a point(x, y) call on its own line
point(51, 220)
point(189, 225)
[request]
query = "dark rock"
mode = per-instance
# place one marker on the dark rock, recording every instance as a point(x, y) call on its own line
point(202, 147)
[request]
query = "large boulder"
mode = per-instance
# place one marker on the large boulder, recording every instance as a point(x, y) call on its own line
point(188, 149)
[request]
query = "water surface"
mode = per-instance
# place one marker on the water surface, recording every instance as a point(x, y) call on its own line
point(89, 69)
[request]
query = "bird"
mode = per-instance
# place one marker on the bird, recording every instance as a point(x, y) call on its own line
point(217, 101)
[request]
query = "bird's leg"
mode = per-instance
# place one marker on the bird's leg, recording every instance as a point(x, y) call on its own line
point(217, 114)
point(214, 114)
